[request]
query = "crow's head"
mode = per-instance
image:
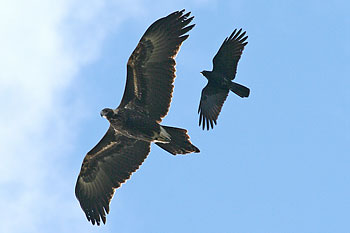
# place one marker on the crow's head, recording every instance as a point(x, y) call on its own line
point(205, 73)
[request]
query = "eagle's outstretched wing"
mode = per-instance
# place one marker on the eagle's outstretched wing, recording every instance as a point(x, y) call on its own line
point(109, 164)
point(226, 59)
point(210, 105)
point(151, 66)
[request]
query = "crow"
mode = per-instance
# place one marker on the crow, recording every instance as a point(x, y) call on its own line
point(219, 83)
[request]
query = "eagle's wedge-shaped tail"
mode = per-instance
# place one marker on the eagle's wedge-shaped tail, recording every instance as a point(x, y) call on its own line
point(239, 89)
point(180, 142)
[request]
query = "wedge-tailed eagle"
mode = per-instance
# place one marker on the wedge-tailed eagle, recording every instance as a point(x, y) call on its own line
point(136, 121)
point(219, 83)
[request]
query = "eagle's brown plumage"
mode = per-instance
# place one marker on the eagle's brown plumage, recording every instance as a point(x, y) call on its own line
point(135, 123)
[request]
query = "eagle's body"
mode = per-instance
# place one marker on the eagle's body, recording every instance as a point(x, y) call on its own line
point(136, 121)
point(220, 79)
point(135, 124)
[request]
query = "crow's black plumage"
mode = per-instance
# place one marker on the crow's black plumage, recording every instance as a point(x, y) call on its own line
point(136, 122)
point(219, 83)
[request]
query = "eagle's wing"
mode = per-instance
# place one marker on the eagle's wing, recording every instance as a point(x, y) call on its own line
point(109, 164)
point(210, 105)
point(151, 66)
point(226, 59)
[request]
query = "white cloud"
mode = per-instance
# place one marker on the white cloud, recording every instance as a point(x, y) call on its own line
point(43, 45)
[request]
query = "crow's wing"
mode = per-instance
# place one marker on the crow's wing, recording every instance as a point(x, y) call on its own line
point(151, 66)
point(109, 164)
point(226, 59)
point(210, 105)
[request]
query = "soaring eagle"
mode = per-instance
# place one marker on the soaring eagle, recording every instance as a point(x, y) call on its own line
point(219, 83)
point(136, 121)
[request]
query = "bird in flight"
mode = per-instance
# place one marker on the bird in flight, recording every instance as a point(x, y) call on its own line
point(219, 83)
point(136, 121)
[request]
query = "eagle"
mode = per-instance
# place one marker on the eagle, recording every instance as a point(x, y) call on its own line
point(219, 79)
point(136, 121)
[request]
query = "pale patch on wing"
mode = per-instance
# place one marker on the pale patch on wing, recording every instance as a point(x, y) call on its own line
point(136, 87)
point(107, 147)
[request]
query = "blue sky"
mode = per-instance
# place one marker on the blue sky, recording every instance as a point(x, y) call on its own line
point(277, 161)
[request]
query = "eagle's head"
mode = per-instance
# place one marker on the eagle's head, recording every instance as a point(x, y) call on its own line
point(107, 113)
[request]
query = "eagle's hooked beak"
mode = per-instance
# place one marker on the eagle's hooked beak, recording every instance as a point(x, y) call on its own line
point(102, 114)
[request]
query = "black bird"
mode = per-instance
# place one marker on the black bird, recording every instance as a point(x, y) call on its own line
point(219, 83)
point(136, 122)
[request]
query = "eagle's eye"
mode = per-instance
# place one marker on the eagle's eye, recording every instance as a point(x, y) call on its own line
point(107, 112)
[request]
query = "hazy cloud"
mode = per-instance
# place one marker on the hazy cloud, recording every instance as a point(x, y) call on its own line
point(43, 45)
